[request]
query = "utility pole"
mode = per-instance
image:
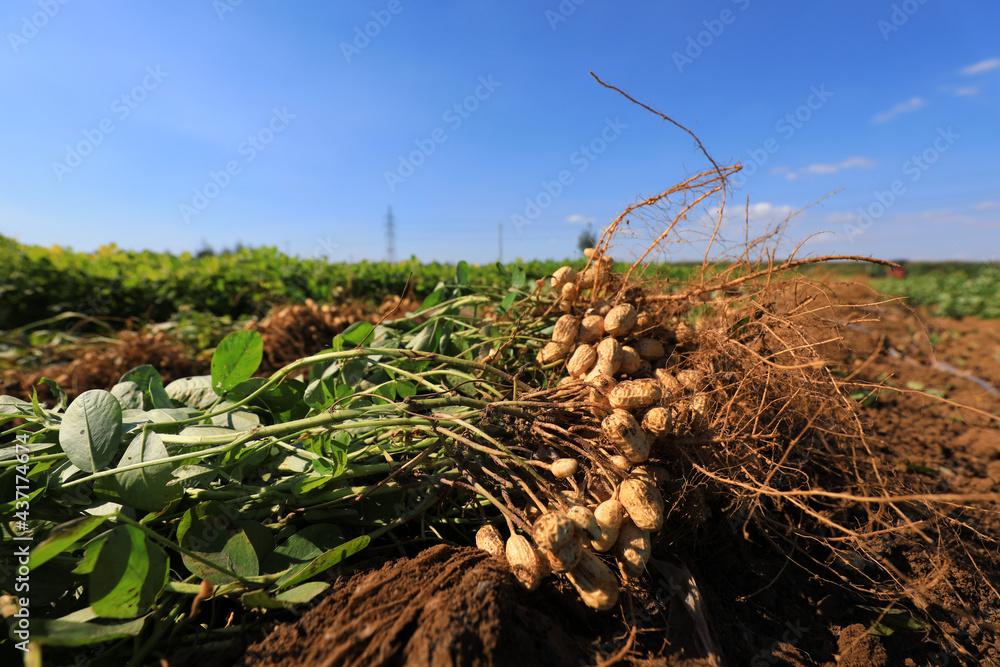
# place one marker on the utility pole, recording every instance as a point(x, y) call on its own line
point(390, 237)
point(500, 242)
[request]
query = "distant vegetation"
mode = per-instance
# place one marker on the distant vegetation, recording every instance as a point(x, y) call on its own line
point(949, 289)
point(38, 283)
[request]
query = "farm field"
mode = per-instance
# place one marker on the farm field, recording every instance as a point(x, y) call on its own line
point(351, 485)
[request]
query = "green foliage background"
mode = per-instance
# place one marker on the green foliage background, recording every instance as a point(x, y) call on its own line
point(37, 283)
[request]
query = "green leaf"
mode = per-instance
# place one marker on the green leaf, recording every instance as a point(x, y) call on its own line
point(277, 399)
point(507, 302)
point(195, 392)
point(130, 573)
point(90, 553)
point(308, 484)
point(13, 407)
point(238, 420)
point(236, 359)
point(303, 546)
point(319, 393)
point(356, 334)
point(323, 562)
point(8, 508)
point(129, 394)
point(404, 388)
point(433, 299)
point(62, 536)
point(207, 530)
point(147, 488)
point(462, 273)
point(887, 621)
point(426, 338)
point(57, 632)
point(62, 400)
point(518, 278)
point(151, 384)
point(91, 430)
point(289, 599)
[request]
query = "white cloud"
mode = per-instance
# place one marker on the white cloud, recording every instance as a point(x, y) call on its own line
point(579, 219)
point(820, 168)
point(988, 205)
point(981, 66)
point(787, 171)
point(909, 105)
point(763, 208)
point(967, 90)
point(855, 162)
point(841, 218)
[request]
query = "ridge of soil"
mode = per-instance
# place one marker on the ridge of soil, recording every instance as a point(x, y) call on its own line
point(446, 606)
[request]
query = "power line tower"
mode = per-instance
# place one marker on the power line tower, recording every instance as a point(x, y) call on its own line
point(390, 237)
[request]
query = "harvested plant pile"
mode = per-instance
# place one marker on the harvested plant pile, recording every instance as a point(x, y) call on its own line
point(653, 413)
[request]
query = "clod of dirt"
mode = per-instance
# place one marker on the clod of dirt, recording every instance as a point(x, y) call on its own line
point(860, 649)
point(447, 606)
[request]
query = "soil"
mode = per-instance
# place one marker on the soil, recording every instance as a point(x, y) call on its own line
point(718, 597)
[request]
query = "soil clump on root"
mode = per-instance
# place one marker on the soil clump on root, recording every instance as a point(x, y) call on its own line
point(446, 606)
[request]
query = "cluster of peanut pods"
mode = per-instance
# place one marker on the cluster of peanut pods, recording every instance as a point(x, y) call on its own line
point(621, 353)
point(568, 542)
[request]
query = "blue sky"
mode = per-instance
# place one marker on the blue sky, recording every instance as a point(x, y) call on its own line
point(167, 125)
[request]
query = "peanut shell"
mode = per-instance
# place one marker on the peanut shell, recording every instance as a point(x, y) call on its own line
point(643, 502)
point(595, 582)
point(635, 394)
point(633, 548)
point(563, 468)
point(620, 319)
point(565, 558)
point(658, 421)
point(528, 565)
point(631, 362)
point(624, 432)
point(583, 359)
point(566, 329)
point(591, 329)
point(488, 539)
point(552, 530)
point(649, 349)
point(562, 275)
point(608, 516)
point(552, 352)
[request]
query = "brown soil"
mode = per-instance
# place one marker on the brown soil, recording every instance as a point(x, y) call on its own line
point(290, 333)
point(447, 606)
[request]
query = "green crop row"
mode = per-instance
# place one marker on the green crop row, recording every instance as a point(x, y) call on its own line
point(954, 290)
point(37, 283)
